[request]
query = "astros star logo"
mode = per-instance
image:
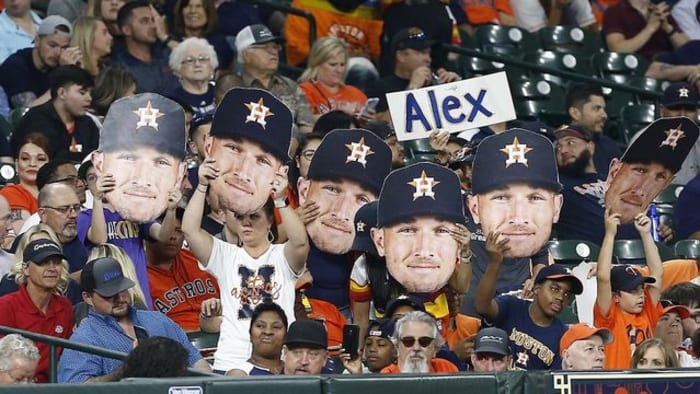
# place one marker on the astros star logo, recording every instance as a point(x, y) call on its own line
point(683, 92)
point(358, 152)
point(424, 186)
point(360, 227)
point(148, 116)
point(516, 153)
point(672, 137)
point(523, 358)
point(258, 112)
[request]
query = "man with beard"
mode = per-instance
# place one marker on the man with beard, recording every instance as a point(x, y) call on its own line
point(417, 340)
point(581, 216)
point(59, 208)
point(249, 141)
point(346, 172)
point(114, 324)
point(585, 105)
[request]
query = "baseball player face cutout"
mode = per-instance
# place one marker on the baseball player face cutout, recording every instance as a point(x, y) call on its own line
point(333, 230)
point(522, 213)
point(143, 180)
point(421, 254)
point(247, 173)
point(633, 186)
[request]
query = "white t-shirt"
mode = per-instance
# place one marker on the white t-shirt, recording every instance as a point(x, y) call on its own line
point(245, 282)
point(359, 271)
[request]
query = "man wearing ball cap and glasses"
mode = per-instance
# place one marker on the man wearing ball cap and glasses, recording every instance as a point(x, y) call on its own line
point(419, 208)
point(140, 156)
point(247, 148)
point(114, 324)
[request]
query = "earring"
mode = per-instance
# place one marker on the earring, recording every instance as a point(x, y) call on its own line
point(270, 236)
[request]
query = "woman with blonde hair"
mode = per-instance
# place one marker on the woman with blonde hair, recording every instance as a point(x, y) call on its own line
point(110, 250)
point(91, 35)
point(654, 353)
point(107, 10)
point(323, 81)
point(15, 278)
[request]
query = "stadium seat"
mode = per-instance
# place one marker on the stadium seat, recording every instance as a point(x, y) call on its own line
point(573, 251)
point(538, 98)
point(669, 196)
point(505, 40)
point(631, 251)
point(204, 341)
point(419, 150)
point(569, 314)
point(649, 85)
point(619, 67)
point(615, 101)
point(568, 39)
point(476, 66)
point(635, 117)
point(687, 249)
point(560, 61)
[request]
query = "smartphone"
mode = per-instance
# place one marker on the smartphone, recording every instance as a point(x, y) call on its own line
point(351, 339)
point(370, 105)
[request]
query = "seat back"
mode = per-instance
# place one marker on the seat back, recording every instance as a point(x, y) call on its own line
point(571, 251)
point(505, 40)
point(568, 38)
point(687, 248)
point(636, 117)
point(631, 251)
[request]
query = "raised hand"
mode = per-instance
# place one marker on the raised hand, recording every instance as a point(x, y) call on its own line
point(496, 246)
point(208, 171)
point(612, 221)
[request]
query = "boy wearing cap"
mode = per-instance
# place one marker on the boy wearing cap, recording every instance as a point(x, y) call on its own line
point(24, 75)
point(491, 351)
point(114, 324)
point(583, 347)
point(304, 351)
point(37, 305)
point(533, 327)
point(625, 304)
point(346, 172)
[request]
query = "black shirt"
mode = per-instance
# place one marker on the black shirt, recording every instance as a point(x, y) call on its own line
point(18, 74)
point(388, 84)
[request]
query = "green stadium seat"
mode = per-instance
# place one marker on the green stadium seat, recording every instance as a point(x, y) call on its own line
point(626, 250)
point(568, 39)
point(560, 61)
point(687, 249)
point(204, 341)
point(505, 40)
point(636, 117)
point(669, 196)
point(573, 251)
point(539, 98)
point(619, 67)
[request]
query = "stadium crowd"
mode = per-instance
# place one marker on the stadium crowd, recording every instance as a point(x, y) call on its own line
point(180, 168)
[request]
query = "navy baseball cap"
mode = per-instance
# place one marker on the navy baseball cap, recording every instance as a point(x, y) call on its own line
point(557, 272)
point(412, 37)
point(680, 94)
point(146, 119)
point(39, 250)
point(403, 300)
point(256, 115)
point(307, 333)
point(666, 140)
point(572, 131)
point(365, 219)
point(382, 328)
point(627, 278)
point(421, 189)
point(354, 154)
point(105, 277)
point(515, 156)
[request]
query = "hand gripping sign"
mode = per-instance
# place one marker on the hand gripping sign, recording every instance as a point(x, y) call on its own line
point(455, 107)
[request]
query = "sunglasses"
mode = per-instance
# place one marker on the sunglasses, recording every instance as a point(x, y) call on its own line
point(422, 341)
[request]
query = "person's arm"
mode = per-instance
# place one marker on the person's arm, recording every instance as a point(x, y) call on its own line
point(163, 231)
point(22, 99)
point(97, 233)
point(210, 315)
point(604, 291)
point(651, 253)
point(200, 242)
point(661, 70)
point(296, 249)
point(113, 376)
point(618, 43)
point(202, 365)
point(484, 302)
point(462, 275)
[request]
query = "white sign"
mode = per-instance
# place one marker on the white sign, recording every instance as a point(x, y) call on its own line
point(455, 107)
point(185, 390)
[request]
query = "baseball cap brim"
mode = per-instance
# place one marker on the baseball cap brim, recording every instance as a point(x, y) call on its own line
point(576, 285)
point(632, 283)
point(113, 288)
point(682, 311)
point(41, 256)
point(491, 348)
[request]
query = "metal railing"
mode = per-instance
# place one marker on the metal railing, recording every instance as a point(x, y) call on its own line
point(55, 343)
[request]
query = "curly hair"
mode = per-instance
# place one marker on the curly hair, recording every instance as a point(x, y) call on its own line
point(156, 357)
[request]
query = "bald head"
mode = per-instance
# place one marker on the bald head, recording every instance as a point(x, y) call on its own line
point(59, 208)
point(5, 216)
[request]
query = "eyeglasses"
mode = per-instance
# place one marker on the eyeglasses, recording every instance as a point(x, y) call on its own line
point(74, 179)
point(66, 209)
point(308, 154)
point(422, 341)
point(267, 46)
point(190, 60)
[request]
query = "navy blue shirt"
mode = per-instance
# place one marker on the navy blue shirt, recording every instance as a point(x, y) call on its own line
point(606, 149)
point(76, 254)
point(581, 216)
point(331, 273)
point(155, 77)
point(18, 74)
point(532, 347)
point(686, 210)
point(202, 104)
point(688, 54)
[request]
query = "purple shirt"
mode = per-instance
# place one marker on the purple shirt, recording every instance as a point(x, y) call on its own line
point(128, 236)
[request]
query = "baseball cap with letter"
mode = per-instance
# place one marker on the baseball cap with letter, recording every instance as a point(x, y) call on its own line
point(492, 340)
point(255, 34)
point(627, 278)
point(39, 250)
point(105, 277)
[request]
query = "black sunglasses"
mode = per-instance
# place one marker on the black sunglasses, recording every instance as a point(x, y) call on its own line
point(422, 341)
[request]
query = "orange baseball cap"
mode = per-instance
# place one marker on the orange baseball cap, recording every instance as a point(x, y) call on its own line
point(682, 311)
point(580, 331)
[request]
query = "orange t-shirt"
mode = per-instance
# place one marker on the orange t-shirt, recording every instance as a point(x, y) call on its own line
point(179, 291)
point(599, 7)
point(20, 198)
point(480, 12)
point(347, 98)
point(675, 271)
point(436, 365)
point(330, 316)
point(628, 330)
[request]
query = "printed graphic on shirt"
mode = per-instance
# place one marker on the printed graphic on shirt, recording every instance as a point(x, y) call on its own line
point(636, 336)
point(254, 288)
point(596, 189)
point(532, 346)
point(122, 229)
point(179, 294)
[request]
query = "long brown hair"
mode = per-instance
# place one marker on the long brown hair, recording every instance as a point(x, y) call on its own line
point(209, 10)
